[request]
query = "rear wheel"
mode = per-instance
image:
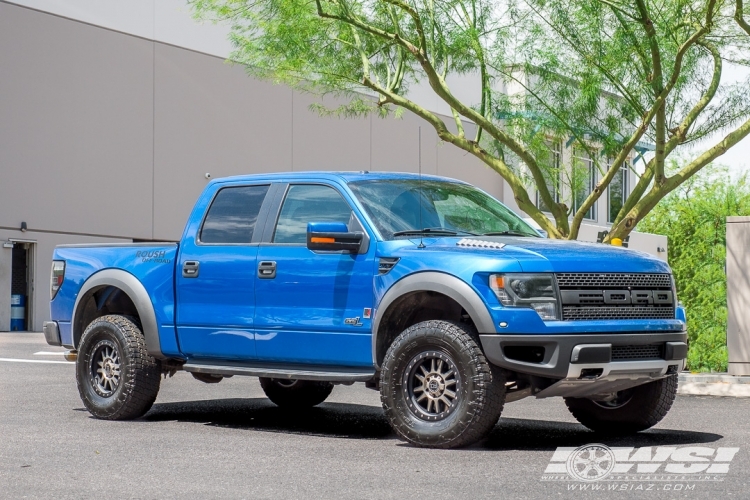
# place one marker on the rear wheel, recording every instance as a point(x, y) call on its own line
point(632, 410)
point(288, 393)
point(117, 378)
point(437, 388)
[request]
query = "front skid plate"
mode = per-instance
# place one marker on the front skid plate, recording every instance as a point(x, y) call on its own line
point(616, 376)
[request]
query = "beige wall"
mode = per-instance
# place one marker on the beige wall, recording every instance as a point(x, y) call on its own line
point(75, 115)
point(738, 294)
point(644, 242)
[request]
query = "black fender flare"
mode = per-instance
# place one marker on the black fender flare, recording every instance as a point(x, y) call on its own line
point(138, 295)
point(430, 281)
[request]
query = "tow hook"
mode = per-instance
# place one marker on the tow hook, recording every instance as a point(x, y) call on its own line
point(591, 373)
point(70, 355)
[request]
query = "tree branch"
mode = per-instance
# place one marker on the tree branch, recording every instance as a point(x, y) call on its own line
point(438, 84)
point(678, 138)
point(660, 191)
point(739, 16)
point(657, 82)
point(519, 191)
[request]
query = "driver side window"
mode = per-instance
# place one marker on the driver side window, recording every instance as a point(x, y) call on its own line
point(309, 203)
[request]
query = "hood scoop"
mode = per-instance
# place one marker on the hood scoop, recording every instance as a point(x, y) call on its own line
point(470, 243)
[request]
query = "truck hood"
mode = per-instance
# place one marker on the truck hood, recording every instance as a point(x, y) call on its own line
point(546, 255)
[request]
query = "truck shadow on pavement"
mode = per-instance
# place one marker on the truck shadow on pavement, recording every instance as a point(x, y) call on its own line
point(259, 414)
point(523, 434)
point(354, 421)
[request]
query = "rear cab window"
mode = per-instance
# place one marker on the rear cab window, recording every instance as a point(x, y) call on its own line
point(231, 219)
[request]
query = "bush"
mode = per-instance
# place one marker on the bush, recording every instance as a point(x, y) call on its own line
point(694, 220)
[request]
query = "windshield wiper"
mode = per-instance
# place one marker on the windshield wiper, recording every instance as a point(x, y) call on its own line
point(507, 233)
point(433, 230)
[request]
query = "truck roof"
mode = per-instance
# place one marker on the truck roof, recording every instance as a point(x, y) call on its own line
point(333, 175)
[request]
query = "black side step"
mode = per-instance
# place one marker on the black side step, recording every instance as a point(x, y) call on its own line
point(329, 374)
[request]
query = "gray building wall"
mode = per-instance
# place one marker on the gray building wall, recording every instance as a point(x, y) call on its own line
point(106, 136)
point(738, 295)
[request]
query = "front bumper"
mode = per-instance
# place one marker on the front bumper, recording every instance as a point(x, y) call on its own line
point(52, 333)
point(582, 363)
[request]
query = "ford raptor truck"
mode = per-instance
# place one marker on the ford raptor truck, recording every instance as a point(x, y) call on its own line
point(426, 289)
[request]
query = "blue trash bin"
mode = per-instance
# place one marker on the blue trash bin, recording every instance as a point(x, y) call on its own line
point(17, 313)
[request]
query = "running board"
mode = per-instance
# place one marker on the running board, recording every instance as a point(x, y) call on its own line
point(297, 372)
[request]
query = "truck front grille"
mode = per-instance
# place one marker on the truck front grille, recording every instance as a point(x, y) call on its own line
point(614, 280)
point(613, 296)
point(632, 352)
point(575, 313)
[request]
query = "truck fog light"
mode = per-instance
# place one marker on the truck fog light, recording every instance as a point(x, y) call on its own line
point(546, 310)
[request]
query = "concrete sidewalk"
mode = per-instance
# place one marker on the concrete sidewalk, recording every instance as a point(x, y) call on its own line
point(713, 384)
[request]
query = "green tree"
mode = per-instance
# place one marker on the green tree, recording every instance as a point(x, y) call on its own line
point(693, 217)
point(602, 75)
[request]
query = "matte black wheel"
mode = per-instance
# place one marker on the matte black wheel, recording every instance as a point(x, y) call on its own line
point(117, 378)
point(437, 388)
point(632, 410)
point(296, 393)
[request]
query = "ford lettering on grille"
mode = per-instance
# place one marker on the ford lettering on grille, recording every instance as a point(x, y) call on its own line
point(589, 296)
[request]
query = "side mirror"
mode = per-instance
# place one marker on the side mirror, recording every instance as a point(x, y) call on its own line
point(332, 236)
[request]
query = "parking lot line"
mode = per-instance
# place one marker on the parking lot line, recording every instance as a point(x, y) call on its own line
point(12, 360)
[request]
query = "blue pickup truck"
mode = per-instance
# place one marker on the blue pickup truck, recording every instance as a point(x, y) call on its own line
point(424, 288)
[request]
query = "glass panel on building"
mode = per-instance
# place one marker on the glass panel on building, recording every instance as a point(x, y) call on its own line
point(551, 173)
point(583, 181)
point(618, 192)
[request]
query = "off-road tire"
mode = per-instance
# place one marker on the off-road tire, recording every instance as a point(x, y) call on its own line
point(479, 394)
point(644, 407)
point(296, 394)
point(139, 372)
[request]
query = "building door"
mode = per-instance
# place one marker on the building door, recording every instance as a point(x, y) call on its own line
point(22, 287)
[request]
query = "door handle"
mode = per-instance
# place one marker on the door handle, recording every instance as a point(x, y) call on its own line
point(190, 269)
point(267, 269)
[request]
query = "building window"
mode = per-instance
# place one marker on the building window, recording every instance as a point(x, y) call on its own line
point(618, 192)
point(551, 173)
point(583, 181)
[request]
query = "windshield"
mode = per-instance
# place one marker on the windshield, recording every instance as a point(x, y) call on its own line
point(394, 207)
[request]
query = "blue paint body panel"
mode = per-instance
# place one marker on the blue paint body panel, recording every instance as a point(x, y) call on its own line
point(314, 311)
point(153, 266)
point(301, 314)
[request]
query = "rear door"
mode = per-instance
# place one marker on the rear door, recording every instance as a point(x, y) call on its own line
point(314, 308)
point(215, 276)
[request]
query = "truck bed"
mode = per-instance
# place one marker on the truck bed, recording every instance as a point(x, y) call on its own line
point(152, 263)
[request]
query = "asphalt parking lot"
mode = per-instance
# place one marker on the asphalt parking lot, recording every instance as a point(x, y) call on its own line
point(227, 440)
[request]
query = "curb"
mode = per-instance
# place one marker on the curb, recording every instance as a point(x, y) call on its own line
point(713, 384)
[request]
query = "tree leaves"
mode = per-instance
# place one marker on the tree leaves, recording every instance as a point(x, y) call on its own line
point(603, 76)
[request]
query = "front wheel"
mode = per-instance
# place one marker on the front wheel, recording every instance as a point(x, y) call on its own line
point(632, 410)
point(437, 388)
point(117, 378)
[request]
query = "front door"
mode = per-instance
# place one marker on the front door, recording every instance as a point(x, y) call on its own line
point(215, 278)
point(313, 309)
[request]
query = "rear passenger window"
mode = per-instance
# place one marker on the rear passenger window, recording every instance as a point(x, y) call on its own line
point(232, 216)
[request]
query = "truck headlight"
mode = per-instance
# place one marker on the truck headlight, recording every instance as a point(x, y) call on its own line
point(535, 291)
